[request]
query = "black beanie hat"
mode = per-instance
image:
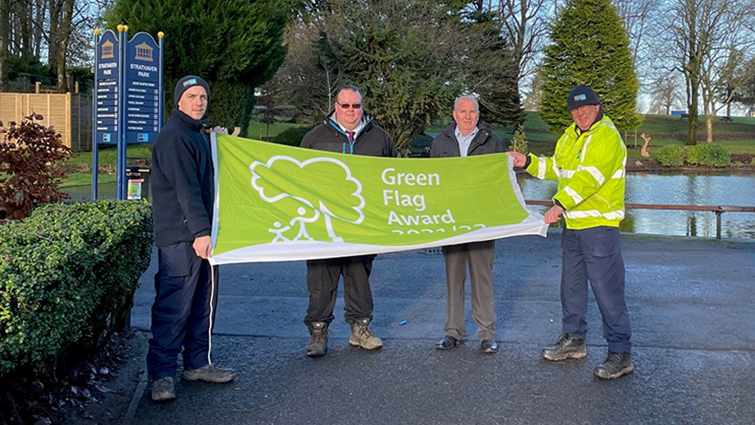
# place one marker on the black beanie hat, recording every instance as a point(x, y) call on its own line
point(580, 96)
point(186, 83)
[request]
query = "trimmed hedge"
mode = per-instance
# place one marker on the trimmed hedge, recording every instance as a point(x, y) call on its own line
point(66, 270)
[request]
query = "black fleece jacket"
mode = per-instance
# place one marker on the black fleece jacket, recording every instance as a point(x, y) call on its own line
point(371, 141)
point(182, 181)
point(446, 145)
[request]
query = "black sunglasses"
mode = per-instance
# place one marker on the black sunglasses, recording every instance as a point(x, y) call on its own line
point(353, 105)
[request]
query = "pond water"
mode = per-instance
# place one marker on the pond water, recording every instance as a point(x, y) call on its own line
point(719, 189)
point(729, 189)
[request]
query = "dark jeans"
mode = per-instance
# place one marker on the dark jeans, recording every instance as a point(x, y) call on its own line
point(595, 255)
point(184, 311)
point(322, 282)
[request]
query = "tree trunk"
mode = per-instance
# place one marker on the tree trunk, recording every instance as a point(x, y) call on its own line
point(4, 39)
point(24, 20)
point(709, 127)
point(39, 16)
point(65, 34)
point(692, 119)
point(53, 43)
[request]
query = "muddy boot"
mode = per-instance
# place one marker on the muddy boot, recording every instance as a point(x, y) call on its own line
point(318, 342)
point(362, 337)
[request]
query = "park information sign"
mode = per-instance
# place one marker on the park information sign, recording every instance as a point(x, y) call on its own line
point(143, 83)
point(129, 105)
point(106, 128)
point(280, 203)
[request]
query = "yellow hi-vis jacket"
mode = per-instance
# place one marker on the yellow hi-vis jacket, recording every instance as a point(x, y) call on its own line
point(590, 169)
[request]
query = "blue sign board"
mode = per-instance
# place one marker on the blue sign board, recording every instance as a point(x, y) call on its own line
point(128, 104)
point(108, 70)
point(142, 89)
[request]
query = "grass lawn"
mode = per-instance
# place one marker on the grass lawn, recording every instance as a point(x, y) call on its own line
point(259, 131)
point(107, 156)
point(85, 179)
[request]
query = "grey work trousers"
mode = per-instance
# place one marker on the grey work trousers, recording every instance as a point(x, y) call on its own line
point(480, 257)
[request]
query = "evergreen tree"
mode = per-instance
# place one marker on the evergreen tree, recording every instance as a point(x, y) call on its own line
point(589, 46)
point(235, 45)
point(492, 71)
point(401, 54)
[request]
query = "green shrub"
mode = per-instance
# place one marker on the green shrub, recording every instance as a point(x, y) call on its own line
point(752, 162)
point(291, 136)
point(671, 156)
point(65, 271)
point(708, 155)
point(519, 142)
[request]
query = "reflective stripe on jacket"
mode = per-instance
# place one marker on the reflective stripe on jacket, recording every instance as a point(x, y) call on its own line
point(590, 169)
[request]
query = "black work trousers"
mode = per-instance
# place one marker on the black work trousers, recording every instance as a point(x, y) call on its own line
point(322, 282)
point(184, 310)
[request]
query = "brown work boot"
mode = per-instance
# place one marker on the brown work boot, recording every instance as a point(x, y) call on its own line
point(362, 337)
point(209, 373)
point(318, 342)
point(164, 389)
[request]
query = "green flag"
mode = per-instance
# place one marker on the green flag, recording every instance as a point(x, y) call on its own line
point(279, 203)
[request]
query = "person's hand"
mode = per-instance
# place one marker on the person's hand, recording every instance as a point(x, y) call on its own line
point(203, 246)
point(519, 159)
point(553, 214)
point(218, 129)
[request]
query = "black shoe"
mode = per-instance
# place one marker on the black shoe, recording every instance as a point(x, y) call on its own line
point(448, 342)
point(488, 346)
point(615, 366)
point(318, 343)
point(567, 347)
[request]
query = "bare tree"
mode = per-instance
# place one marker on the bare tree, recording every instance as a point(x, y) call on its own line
point(665, 94)
point(637, 16)
point(5, 6)
point(526, 29)
point(690, 36)
point(309, 77)
point(729, 42)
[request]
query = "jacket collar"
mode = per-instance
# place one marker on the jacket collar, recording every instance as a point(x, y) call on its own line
point(193, 124)
point(365, 123)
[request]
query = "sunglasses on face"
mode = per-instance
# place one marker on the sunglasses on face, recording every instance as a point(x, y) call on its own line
point(353, 105)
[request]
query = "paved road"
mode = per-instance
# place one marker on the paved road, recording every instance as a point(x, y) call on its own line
point(691, 304)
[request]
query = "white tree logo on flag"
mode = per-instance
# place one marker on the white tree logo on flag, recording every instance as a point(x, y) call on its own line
point(272, 181)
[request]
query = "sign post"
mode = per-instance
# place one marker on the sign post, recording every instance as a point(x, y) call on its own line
point(107, 61)
point(129, 104)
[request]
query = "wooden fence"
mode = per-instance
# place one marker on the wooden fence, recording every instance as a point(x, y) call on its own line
point(70, 114)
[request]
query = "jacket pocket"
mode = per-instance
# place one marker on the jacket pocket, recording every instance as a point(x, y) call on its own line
point(176, 260)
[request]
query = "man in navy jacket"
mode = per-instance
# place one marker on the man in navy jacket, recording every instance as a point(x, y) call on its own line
point(186, 284)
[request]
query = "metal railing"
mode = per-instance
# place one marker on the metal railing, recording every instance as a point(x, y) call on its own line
point(717, 209)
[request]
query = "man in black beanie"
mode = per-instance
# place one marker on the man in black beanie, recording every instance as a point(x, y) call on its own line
point(186, 284)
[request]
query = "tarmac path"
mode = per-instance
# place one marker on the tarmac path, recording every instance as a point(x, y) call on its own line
point(691, 302)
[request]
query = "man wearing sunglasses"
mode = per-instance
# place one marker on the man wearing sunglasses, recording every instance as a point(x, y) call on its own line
point(349, 131)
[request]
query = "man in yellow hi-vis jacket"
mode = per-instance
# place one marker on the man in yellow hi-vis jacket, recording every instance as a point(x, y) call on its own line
point(589, 164)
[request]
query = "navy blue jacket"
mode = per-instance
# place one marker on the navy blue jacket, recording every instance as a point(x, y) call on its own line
point(182, 181)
